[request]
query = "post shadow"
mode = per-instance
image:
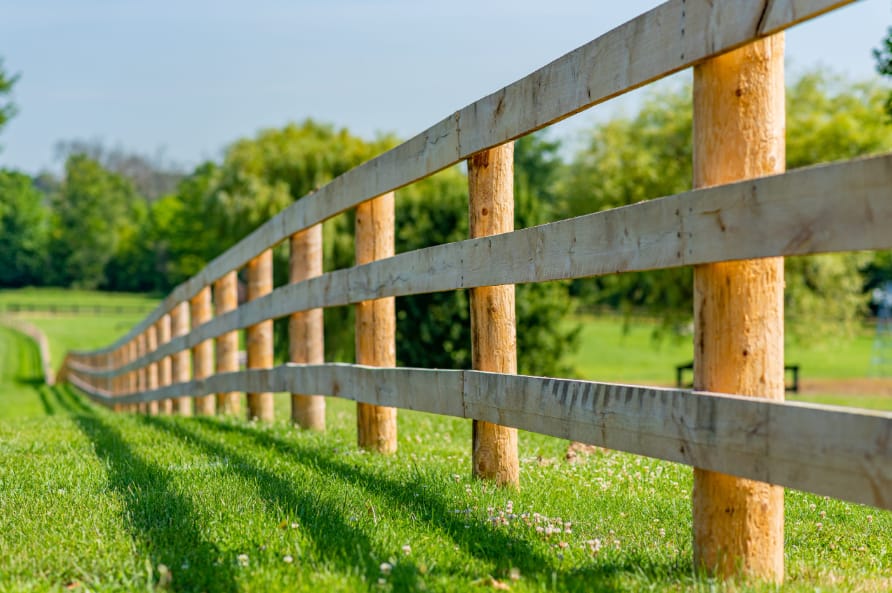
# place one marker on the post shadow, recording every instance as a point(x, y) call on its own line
point(160, 519)
point(326, 524)
point(479, 540)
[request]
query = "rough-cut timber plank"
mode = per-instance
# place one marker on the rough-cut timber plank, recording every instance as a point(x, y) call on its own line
point(843, 206)
point(666, 39)
point(828, 450)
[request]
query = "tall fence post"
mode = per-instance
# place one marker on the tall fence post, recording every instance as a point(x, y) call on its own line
point(181, 361)
point(306, 340)
point(132, 376)
point(226, 299)
point(117, 380)
point(375, 322)
point(165, 365)
point(142, 378)
point(152, 371)
point(260, 336)
point(493, 330)
point(738, 306)
point(202, 353)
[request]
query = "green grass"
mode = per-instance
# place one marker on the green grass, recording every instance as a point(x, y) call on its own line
point(20, 374)
point(612, 351)
point(57, 296)
point(102, 501)
point(91, 500)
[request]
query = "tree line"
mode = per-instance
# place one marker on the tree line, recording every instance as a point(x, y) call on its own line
point(118, 221)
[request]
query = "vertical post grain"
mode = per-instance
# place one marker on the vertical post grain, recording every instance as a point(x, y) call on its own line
point(306, 340)
point(202, 353)
point(738, 306)
point(165, 365)
point(225, 300)
point(181, 361)
point(493, 330)
point(152, 371)
point(376, 322)
point(260, 336)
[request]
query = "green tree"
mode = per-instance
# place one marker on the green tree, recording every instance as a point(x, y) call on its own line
point(8, 109)
point(90, 213)
point(649, 155)
point(883, 57)
point(23, 231)
point(433, 330)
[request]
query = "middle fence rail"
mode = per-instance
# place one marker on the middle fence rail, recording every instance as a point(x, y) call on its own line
point(843, 206)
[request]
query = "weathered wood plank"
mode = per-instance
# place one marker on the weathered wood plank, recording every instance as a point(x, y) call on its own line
point(839, 452)
point(843, 206)
point(666, 39)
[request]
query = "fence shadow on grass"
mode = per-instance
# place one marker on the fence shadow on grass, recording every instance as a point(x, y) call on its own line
point(479, 540)
point(338, 541)
point(48, 408)
point(161, 519)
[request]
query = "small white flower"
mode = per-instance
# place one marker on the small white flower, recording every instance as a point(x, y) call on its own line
point(243, 560)
point(287, 559)
point(386, 567)
point(407, 549)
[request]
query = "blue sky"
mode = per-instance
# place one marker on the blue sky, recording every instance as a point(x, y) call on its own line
point(187, 77)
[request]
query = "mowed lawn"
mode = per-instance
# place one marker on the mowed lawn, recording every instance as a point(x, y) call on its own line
point(92, 500)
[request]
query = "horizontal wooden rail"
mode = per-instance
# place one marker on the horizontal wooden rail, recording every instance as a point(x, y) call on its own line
point(827, 450)
point(843, 206)
point(673, 36)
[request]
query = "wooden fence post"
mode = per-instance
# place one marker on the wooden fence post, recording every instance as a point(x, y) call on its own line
point(306, 340)
point(375, 322)
point(165, 365)
point(226, 299)
point(202, 353)
point(152, 371)
point(142, 378)
point(132, 376)
point(260, 336)
point(180, 361)
point(118, 380)
point(493, 331)
point(738, 306)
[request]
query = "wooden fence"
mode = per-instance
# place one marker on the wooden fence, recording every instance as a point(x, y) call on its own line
point(745, 443)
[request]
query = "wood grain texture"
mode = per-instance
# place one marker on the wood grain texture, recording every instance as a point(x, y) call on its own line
point(226, 344)
point(152, 370)
point(306, 336)
point(493, 325)
point(739, 306)
point(132, 376)
point(832, 451)
point(795, 213)
point(376, 323)
point(666, 39)
point(203, 352)
point(142, 374)
point(259, 337)
point(165, 369)
point(181, 370)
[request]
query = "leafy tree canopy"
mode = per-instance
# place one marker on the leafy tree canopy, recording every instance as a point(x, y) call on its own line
point(630, 159)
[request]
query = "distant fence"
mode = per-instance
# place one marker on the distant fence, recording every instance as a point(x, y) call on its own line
point(734, 230)
point(43, 345)
point(73, 309)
